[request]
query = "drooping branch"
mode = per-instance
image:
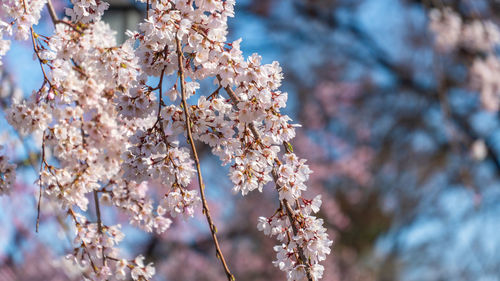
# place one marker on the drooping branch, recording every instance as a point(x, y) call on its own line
point(288, 209)
point(206, 211)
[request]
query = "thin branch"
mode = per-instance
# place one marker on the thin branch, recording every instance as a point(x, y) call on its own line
point(291, 215)
point(289, 236)
point(206, 211)
point(160, 100)
point(52, 12)
point(42, 160)
point(56, 20)
point(98, 211)
point(284, 202)
point(99, 223)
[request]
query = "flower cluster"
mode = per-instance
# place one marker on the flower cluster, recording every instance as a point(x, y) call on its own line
point(307, 233)
point(452, 32)
point(136, 103)
point(132, 198)
point(291, 177)
point(182, 202)
point(96, 253)
point(115, 136)
point(152, 156)
point(28, 117)
point(86, 11)
point(7, 174)
point(16, 18)
point(478, 38)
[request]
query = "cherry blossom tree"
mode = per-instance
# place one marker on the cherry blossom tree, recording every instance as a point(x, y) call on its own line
point(120, 124)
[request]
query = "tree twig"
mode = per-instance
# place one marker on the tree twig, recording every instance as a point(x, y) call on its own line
point(42, 160)
point(52, 12)
point(206, 211)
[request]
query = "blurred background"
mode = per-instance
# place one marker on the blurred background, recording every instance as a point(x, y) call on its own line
point(405, 157)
